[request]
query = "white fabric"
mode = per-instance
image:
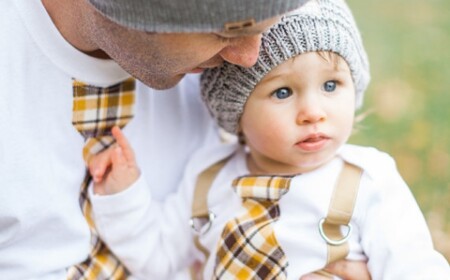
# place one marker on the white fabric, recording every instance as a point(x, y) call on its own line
point(388, 227)
point(42, 229)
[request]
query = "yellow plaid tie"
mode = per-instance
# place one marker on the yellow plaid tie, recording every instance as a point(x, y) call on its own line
point(95, 111)
point(248, 248)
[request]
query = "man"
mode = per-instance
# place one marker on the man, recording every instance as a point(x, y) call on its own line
point(55, 49)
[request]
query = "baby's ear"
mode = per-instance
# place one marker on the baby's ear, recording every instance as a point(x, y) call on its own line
point(239, 127)
point(241, 137)
point(240, 134)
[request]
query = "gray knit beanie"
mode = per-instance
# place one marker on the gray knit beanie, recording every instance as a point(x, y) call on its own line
point(319, 25)
point(190, 15)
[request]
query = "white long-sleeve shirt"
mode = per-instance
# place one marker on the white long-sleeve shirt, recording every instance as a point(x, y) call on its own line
point(389, 229)
point(42, 228)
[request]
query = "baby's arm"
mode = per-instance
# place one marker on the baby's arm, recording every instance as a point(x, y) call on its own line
point(114, 169)
point(394, 232)
point(151, 238)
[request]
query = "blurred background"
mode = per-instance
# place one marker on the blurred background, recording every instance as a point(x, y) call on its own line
point(408, 100)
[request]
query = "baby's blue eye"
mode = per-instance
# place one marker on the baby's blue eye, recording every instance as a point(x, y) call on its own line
point(329, 86)
point(282, 93)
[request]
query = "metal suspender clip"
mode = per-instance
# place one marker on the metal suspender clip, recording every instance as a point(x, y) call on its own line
point(331, 241)
point(202, 224)
point(201, 219)
point(341, 206)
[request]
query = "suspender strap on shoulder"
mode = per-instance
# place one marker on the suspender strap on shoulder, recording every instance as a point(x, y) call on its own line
point(202, 218)
point(204, 181)
point(340, 212)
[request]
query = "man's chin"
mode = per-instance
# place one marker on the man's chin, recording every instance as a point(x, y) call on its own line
point(162, 83)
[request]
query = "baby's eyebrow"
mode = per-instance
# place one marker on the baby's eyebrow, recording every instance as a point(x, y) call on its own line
point(267, 79)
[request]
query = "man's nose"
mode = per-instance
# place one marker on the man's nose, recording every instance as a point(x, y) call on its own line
point(242, 51)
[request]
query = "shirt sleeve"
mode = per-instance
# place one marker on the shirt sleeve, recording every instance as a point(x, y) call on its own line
point(154, 239)
point(394, 232)
point(151, 238)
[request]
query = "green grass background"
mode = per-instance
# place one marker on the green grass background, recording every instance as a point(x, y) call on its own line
point(408, 44)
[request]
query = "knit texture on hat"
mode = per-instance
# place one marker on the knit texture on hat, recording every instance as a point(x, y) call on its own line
point(319, 25)
point(190, 15)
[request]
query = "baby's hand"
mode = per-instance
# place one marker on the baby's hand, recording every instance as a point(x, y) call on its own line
point(114, 169)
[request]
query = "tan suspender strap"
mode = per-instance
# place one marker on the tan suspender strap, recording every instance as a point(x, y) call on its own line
point(204, 181)
point(339, 214)
point(200, 208)
point(340, 211)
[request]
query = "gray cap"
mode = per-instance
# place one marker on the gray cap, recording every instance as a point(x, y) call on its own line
point(319, 25)
point(190, 15)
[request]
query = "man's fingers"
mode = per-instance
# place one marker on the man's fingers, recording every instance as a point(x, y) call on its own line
point(122, 141)
point(344, 269)
point(314, 276)
point(349, 270)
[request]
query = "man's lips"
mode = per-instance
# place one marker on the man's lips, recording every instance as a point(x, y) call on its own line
point(196, 70)
point(201, 69)
point(216, 62)
point(313, 142)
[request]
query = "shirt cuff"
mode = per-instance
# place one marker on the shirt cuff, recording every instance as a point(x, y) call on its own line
point(130, 199)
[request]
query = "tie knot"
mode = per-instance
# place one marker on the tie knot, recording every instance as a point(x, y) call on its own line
point(265, 188)
point(96, 110)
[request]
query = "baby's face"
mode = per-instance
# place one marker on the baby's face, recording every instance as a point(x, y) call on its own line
point(300, 114)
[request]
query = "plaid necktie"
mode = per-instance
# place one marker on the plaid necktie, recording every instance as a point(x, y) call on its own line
point(248, 248)
point(95, 111)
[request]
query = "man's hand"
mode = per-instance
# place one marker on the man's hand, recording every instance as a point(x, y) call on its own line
point(114, 169)
point(344, 269)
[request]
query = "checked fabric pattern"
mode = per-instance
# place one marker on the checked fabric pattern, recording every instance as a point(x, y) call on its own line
point(248, 248)
point(95, 111)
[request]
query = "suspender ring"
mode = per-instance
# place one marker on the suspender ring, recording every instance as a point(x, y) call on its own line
point(331, 241)
point(202, 224)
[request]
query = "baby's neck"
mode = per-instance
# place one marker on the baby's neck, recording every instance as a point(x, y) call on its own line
point(283, 170)
point(256, 169)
